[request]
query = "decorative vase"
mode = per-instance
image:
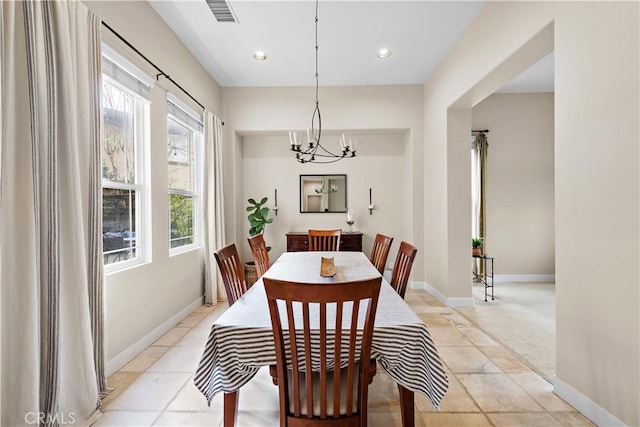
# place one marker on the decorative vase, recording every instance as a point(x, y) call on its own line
point(350, 220)
point(476, 251)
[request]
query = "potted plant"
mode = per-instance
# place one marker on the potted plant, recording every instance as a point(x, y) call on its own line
point(258, 219)
point(259, 216)
point(476, 246)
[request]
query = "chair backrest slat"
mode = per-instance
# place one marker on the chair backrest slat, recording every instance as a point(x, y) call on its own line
point(324, 240)
point(259, 253)
point(231, 271)
point(336, 360)
point(352, 353)
point(323, 361)
point(294, 360)
point(402, 267)
point(380, 251)
point(307, 358)
point(337, 347)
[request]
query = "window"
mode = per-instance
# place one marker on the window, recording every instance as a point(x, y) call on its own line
point(184, 148)
point(125, 115)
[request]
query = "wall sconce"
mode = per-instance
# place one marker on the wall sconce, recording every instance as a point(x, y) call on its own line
point(370, 203)
point(275, 208)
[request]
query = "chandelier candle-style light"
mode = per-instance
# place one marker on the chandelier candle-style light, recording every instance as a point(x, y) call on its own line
point(333, 188)
point(314, 152)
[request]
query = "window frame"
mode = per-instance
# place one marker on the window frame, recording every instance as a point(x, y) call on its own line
point(197, 177)
point(141, 143)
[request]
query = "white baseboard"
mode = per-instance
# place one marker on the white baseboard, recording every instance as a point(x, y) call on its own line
point(586, 406)
point(449, 302)
point(417, 285)
point(139, 346)
point(524, 278)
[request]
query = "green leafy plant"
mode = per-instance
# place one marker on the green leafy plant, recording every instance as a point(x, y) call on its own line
point(181, 219)
point(259, 216)
point(476, 242)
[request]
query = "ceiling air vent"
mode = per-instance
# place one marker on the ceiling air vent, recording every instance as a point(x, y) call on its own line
point(221, 10)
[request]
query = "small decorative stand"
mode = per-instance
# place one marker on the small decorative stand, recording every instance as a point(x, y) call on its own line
point(485, 278)
point(350, 220)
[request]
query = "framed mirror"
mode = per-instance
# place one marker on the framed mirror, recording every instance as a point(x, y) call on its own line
point(323, 193)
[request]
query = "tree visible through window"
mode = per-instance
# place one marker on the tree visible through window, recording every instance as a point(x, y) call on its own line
point(181, 207)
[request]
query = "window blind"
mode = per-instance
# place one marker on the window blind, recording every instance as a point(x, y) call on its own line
point(185, 117)
point(122, 76)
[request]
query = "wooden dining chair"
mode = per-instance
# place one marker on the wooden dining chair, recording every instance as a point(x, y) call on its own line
point(327, 396)
point(402, 267)
point(260, 253)
point(324, 240)
point(231, 271)
point(380, 251)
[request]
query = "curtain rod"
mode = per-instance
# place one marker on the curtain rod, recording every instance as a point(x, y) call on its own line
point(482, 131)
point(160, 72)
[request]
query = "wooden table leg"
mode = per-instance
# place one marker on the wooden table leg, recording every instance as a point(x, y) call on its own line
point(231, 408)
point(406, 407)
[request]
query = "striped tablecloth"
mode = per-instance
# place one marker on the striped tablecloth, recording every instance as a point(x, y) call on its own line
point(241, 340)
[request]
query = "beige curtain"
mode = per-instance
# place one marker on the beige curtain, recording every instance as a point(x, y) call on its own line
point(479, 148)
point(50, 248)
point(214, 206)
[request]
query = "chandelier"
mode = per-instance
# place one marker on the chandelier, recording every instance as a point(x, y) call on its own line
point(314, 151)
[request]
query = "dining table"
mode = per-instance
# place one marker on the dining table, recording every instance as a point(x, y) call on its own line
point(241, 339)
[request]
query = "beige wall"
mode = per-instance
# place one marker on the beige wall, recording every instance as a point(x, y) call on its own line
point(520, 214)
point(268, 164)
point(596, 48)
point(388, 122)
point(141, 299)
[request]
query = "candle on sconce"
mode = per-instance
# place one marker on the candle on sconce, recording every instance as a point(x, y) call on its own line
point(275, 207)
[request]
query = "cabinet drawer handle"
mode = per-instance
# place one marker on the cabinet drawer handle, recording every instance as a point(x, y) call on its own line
point(306, 242)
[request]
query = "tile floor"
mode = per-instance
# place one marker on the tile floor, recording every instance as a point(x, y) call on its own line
point(489, 384)
point(523, 318)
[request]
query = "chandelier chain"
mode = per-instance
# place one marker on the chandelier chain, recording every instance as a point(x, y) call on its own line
point(316, 111)
point(317, 75)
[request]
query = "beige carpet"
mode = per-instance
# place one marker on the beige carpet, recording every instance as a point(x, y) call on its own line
point(522, 317)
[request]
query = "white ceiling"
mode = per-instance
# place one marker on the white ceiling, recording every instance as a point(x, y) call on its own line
point(419, 34)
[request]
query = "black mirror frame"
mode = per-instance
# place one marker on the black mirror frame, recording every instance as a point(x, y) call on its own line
point(300, 193)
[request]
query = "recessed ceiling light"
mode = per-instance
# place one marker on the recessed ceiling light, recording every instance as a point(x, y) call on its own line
point(384, 53)
point(259, 56)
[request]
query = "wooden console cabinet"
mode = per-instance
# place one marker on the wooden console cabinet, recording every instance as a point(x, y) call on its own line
point(298, 241)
